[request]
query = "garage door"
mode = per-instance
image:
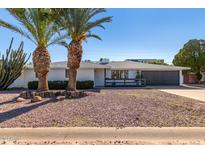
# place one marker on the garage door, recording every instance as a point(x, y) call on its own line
point(161, 77)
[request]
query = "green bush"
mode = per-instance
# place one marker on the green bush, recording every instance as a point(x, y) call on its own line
point(33, 85)
point(59, 85)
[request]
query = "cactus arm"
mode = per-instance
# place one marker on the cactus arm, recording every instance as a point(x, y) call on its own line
point(12, 65)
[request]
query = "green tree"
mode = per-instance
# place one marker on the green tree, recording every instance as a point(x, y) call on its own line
point(158, 63)
point(79, 23)
point(38, 26)
point(192, 55)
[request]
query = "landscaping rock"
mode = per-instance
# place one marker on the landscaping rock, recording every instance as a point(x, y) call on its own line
point(23, 94)
point(108, 108)
point(60, 98)
point(53, 94)
point(74, 94)
point(36, 99)
point(20, 99)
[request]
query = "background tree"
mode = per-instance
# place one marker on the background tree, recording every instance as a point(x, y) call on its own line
point(79, 23)
point(11, 65)
point(158, 62)
point(38, 26)
point(192, 55)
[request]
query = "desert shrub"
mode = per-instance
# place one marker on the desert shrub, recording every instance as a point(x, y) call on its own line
point(11, 65)
point(88, 84)
point(33, 85)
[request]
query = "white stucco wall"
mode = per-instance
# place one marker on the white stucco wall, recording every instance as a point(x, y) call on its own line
point(85, 74)
point(181, 78)
point(203, 76)
point(96, 75)
point(22, 81)
point(18, 82)
point(99, 77)
point(29, 75)
point(54, 74)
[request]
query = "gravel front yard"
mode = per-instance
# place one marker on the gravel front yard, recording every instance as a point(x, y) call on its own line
point(107, 108)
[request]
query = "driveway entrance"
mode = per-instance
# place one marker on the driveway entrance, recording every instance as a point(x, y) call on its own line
point(193, 92)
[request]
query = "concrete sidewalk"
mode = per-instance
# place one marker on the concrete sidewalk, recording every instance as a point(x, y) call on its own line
point(92, 135)
point(198, 94)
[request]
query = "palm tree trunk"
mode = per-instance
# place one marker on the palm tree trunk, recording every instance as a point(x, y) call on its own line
point(41, 63)
point(72, 79)
point(74, 58)
point(43, 82)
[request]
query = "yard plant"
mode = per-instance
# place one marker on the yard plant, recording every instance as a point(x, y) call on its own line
point(61, 85)
point(192, 55)
point(11, 65)
point(79, 24)
point(38, 26)
point(44, 27)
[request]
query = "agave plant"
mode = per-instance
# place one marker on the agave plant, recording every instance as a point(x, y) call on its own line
point(78, 23)
point(38, 26)
point(11, 65)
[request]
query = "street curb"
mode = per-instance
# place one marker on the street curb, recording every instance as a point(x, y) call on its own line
point(111, 135)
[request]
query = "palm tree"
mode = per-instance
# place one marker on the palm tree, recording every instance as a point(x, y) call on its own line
point(38, 26)
point(78, 24)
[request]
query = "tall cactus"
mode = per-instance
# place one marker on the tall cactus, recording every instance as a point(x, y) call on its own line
point(11, 65)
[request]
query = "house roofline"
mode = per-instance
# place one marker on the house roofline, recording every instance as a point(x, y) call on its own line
point(113, 65)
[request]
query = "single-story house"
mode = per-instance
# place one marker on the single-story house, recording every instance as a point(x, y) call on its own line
point(105, 73)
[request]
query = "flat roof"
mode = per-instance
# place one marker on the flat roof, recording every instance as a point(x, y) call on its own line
point(143, 66)
point(117, 65)
point(83, 65)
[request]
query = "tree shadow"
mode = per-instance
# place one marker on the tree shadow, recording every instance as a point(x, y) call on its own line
point(16, 112)
point(148, 87)
point(7, 102)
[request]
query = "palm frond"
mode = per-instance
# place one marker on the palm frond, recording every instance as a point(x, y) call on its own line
point(63, 43)
point(93, 12)
point(15, 29)
point(37, 23)
point(58, 39)
point(98, 23)
point(94, 36)
point(79, 22)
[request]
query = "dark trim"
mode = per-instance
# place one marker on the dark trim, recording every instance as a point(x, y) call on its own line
point(104, 76)
point(66, 73)
point(162, 77)
point(125, 82)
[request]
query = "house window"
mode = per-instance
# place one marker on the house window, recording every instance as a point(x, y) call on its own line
point(126, 74)
point(119, 74)
point(138, 74)
point(66, 73)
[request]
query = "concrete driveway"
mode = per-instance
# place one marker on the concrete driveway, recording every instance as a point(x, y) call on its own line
point(190, 91)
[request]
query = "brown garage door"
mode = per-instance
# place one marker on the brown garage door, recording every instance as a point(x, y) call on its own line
point(161, 77)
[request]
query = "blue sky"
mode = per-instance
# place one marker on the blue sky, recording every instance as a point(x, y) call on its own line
point(134, 33)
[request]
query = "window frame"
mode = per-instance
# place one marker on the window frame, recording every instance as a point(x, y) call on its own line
point(121, 74)
point(66, 73)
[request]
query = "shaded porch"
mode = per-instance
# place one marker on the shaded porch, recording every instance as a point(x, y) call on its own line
point(123, 78)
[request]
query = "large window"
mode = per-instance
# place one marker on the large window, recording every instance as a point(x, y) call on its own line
point(119, 74)
point(66, 73)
